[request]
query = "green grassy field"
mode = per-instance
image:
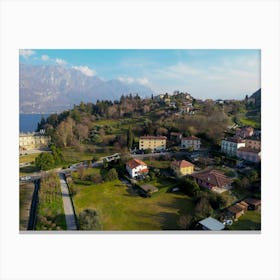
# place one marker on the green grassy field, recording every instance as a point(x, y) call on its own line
point(28, 158)
point(121, 208)
point(251, 220)
point(249, 122)
point(50, 212)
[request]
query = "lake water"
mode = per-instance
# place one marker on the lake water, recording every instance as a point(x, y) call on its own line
point(28, 122)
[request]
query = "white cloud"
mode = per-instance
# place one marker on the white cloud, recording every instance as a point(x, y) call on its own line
point(85, 70)
point(26, 53)
point(60, 61)
point(127, 80)
point(142, 81)
point(45, 57)
point(130, 80)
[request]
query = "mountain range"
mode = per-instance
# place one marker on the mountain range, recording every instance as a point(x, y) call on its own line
point(54, 88)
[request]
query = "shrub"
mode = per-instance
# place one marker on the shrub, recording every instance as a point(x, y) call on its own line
point(89, 220)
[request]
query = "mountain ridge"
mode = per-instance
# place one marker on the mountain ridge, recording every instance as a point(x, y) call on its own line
point(54, 88)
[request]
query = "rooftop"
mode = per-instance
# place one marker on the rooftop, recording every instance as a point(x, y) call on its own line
point(249, 150)
point(235, 140)
point(181, 164)
point(253, 201)
point(191, 138)
point(212, 224)
point(133, 163)
point(213, 177)
point(154, 137)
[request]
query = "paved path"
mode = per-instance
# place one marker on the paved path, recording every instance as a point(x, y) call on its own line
point(67, 203)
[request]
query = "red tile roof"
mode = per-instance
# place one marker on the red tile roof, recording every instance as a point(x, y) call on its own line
point(191, 138)
point(248, 150)
point(235, 140)
point(133, 163)
point(235, 209)
point(181, 164)
point(213, 177)
point(154, 137)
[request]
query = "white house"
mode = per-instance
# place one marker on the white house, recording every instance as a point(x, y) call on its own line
point(191, 142)
point(231, 145)
point(136, 167)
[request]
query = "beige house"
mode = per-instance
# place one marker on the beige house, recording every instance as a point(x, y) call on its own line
point(155, 143)
point(182, 167)
point(29, 141)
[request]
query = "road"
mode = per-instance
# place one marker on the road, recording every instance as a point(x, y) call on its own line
point(67, 204)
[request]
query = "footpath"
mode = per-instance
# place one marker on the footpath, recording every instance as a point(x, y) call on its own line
point(67, 204)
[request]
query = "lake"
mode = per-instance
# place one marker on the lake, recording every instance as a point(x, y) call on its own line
point(28, 122)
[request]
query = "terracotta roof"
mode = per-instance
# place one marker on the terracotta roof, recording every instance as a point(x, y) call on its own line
point(244, 203)
point(248, 150)
point(144, 170)
point(253, 201)
point(190, 138)
point(133, 163)
point(213, 177)
point(235, 140)
point(234, 209)
point(154, 137)
point(181, 164)
point(240, 205)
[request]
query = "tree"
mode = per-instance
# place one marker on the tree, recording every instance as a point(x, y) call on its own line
point(81, 172)
point(129, 138)
point(191, 187)
point(111, 175)
point(185, 221)
point(44, 161)
point(89, 220)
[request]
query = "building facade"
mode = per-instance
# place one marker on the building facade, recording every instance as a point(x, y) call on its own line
point(231, 145)
point(191, 142)
point(155, 143)
point(249, 154)
point(29, 141)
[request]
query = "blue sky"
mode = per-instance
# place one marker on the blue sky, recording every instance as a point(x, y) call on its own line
point(203, 73)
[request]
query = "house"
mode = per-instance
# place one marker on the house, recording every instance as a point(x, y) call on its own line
point(182, 167)
point(237, 210)
point(155, 143)
point(176, 136)
point(211, 224)
point(191, 142)
point(136, 168)
point(253, 203)
point(28, 141)
point(230, 146)
point(211, 179)
point(253, 143)
point(249, 154)
point(244, 132)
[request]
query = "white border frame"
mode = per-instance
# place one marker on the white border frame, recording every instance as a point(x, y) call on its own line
point(155, 24)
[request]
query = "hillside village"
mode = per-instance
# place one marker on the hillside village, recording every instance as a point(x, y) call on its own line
point(194, 164)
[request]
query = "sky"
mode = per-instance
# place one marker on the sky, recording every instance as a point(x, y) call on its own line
point(225, 74)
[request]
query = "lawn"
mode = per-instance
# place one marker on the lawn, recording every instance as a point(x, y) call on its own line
point(25, 194)
point(50, 212)
point(121, 208)
point(28, 158)
point(249, 122)
point(251, 220)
